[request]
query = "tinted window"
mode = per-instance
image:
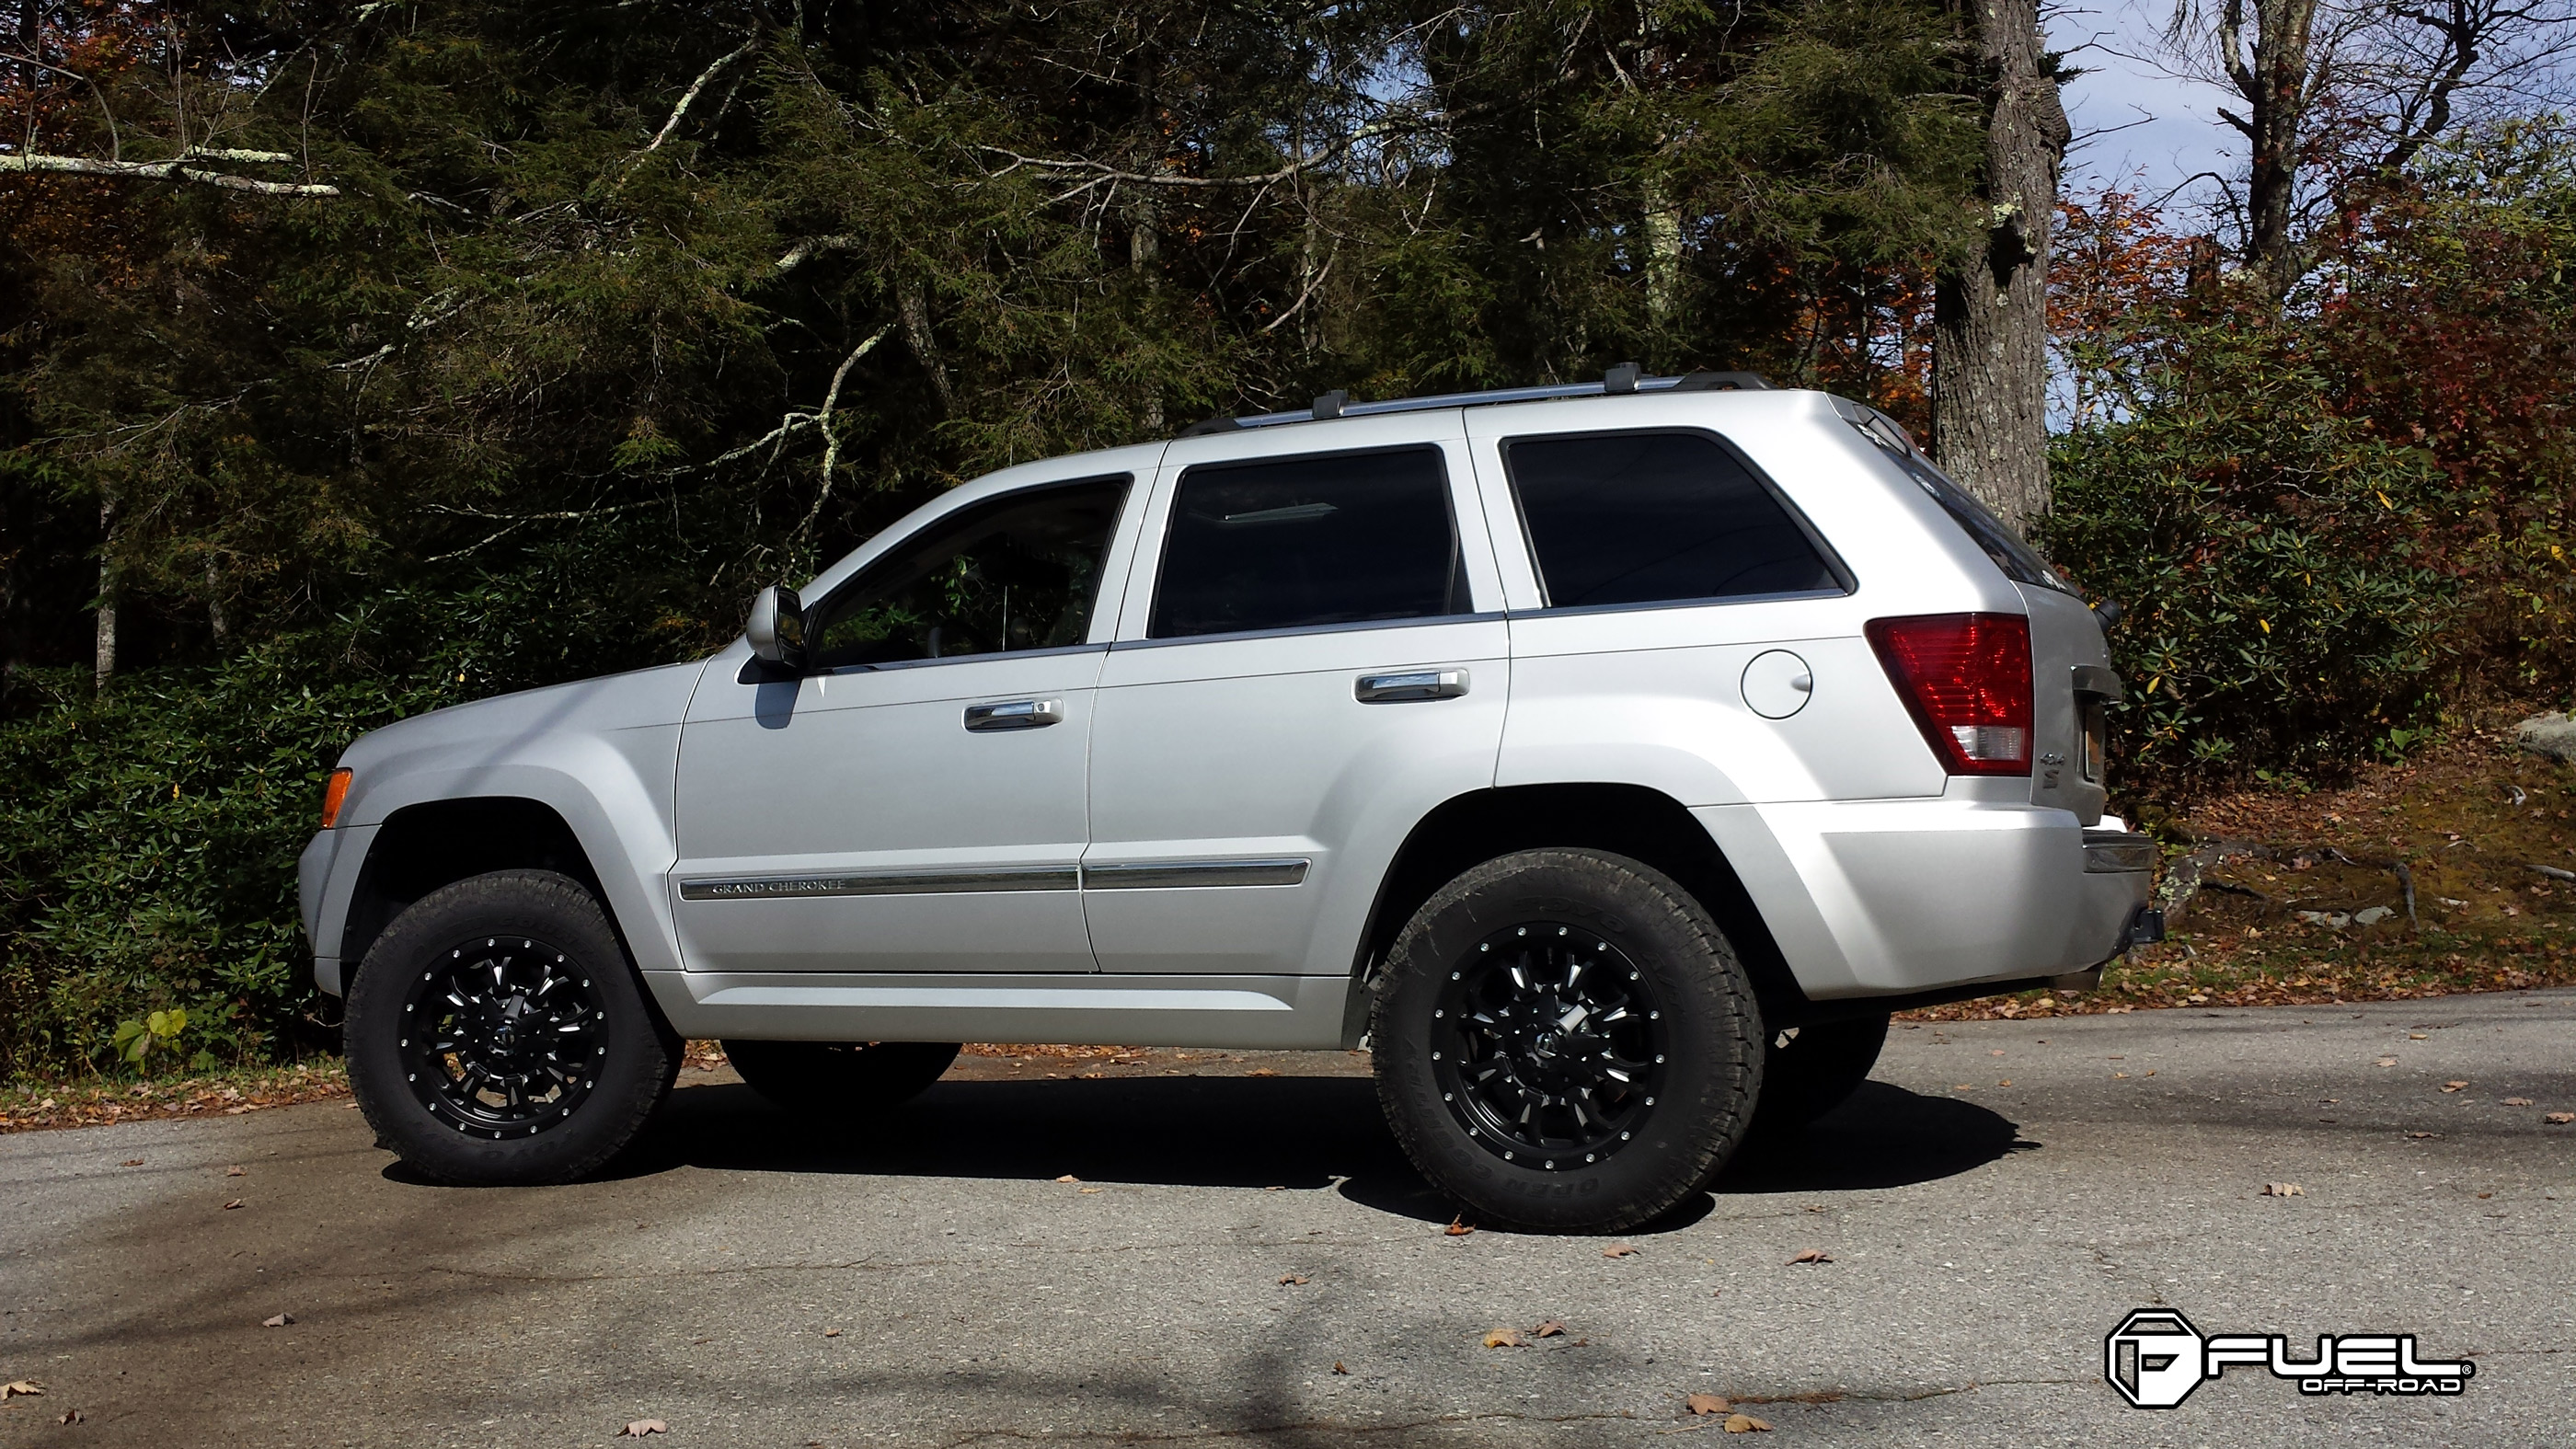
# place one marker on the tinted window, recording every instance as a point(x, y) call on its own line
point(1995, 538)
point(1638, 518)
point(1019, 572)
point(1307, 541)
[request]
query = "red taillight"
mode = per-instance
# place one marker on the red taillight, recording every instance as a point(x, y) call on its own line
point(334, 790)
point(1966, 678)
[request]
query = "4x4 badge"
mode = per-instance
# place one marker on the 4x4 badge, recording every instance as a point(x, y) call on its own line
point(2155, 1358)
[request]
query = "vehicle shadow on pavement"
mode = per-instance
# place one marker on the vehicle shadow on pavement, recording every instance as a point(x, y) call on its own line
point(1302, 1133)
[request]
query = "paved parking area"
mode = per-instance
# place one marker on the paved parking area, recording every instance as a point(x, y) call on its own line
point(1992, 1204)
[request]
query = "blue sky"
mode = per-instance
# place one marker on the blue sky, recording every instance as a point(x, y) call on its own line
point(2134, 123)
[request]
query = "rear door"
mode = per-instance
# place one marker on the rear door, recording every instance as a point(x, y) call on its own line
point(1311, 658)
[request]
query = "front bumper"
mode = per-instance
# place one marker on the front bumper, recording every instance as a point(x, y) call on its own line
point(326, 881)
point(1900, 897)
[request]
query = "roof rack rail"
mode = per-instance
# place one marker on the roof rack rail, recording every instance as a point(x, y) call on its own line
point(1626, 378)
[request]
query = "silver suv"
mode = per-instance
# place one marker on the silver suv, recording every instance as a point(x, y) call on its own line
point(1612, 759)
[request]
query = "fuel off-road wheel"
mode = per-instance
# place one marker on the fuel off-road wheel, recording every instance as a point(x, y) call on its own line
point(498, 1036)
point(1565, 1041)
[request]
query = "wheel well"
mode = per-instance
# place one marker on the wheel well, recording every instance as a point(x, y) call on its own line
point(1645, 825)
point(423, 847)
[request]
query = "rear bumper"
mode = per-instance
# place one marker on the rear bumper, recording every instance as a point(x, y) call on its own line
point(1902, 897)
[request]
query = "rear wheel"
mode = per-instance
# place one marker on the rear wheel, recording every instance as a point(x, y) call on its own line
point(496, 1034)
point(1564, 1040)
point(840, 1077)
point(1808, 1074)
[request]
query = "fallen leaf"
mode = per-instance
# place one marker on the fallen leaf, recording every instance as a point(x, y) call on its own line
point(2482, 1197)
point(236, 1172)
point(1290, 1280)
point(1089, 1190)
point(1261, 1072)
point(71, 1416)
point(236, 1202)
point(17, 1387)
point(1995, 1053)
point(280, 1321)
point(2455, 1086)
point(1745, 1424)
point(2421, 1136)
point(1706, 1404)
point(2385, 1062)
point(2282, 1189)
point(831, 1333)
point(1337, 1367)
point(2517, 1101)
point(1068, 1177)
point(1550, 1329)
point(1503, 1338)
point(641, 1427)
point(1458, 1227)
point(1812, 1255)
point(131, 1162)
point(1618, 1250)
point(2415, 1036)
point(2561, 1118)
point(2006, 1082)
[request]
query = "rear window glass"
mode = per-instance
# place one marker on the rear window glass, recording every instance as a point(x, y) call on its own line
point(1640, 518)
point(1301, 542)
point(1995, 538)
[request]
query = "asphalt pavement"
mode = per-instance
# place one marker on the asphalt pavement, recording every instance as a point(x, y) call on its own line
point(1992, 1204)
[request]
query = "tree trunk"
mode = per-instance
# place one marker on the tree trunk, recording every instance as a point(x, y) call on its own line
point(912, 304)
point(1990, 310)
point(106, 638)
point(2275, 85)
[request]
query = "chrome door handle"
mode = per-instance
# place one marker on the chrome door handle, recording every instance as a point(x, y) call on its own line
point(1017, 714)
point(1411, 684)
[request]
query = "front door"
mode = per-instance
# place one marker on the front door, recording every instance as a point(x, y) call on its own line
point(913, 800)
point(1302, 674)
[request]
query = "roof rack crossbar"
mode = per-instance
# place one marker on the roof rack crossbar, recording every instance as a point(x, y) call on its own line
point(1621, 380)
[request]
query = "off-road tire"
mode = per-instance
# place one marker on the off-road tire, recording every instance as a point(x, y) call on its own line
point(514, 915)
point(1698, 1101)
point(1815, 1071)
point(840, 1079)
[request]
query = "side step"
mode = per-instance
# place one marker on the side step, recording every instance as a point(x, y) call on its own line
point(1272, 1012)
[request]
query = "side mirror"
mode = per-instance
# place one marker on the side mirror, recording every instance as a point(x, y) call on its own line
point(777, 627)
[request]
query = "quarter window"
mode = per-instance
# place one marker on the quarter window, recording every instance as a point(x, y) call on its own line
point(1640, 518)
point(1302, 542)
point(1021, 571)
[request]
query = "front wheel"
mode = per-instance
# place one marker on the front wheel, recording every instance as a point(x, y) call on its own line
point(496, 1035)
point(840, 1078)
point(1565, 1041)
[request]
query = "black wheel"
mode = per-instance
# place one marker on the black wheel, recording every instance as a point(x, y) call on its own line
point(1563, 1040)
point(1808, 1074)
point(840, 1077)
point(498, 1036)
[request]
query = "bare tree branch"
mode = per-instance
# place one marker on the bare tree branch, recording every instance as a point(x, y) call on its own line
point(823, 420)
point(175, 169)
point(705, 77)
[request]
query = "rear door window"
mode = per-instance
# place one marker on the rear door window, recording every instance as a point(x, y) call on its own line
point(1659, 517)
point(1295, 543)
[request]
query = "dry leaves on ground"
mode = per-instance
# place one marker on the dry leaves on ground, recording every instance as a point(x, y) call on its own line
point(1618, 1250)
point(71, 1416)
point(16, 1387)
point(1812, 1255)
point(2561, 1118)
point(1458, 1227)
point(2422, 1136)
point(2455, 1086)
point(236, 1202)
point(1262, 1072)
point(279, 1321)
point(1503, 1338)
point(1291, 1280)
point(2385, 1062)
point(1549, 1329)
point(1706, 1404)
point(1337, 1367)
point(1746, 1424)
point(2517, 1101)
point(637, 1429)
point(2282, 1189)
point(831, 1333)
point(131, 1162)
point(236, 1172)
point(1068, 1177)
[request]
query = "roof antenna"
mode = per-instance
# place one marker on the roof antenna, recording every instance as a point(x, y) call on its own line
point(1622, 378)
point(1330, 404)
